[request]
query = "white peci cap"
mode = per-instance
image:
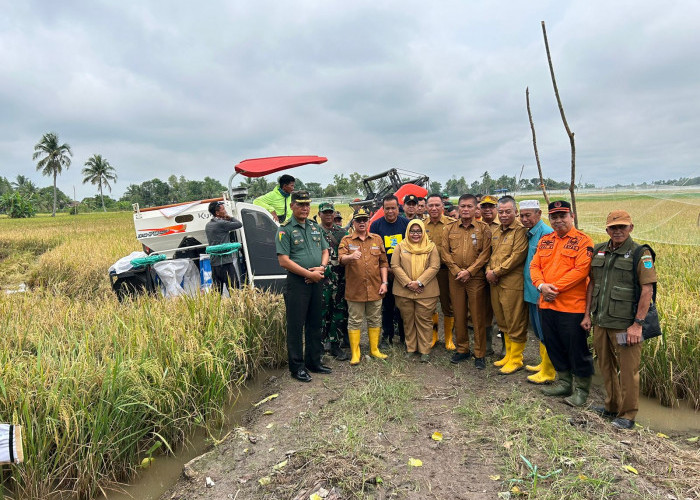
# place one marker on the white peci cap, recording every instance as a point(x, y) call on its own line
point(529, 204)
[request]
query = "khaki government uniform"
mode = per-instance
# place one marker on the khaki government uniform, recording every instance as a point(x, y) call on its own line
point(508, 253)
point(468, 248)
point(363, 279)
point(613, 309)
point(416, 308)
point(434, 231)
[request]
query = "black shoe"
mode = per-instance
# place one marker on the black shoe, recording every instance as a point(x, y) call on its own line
point(302, 376)
point(600, 410)
point(338, 353)
point(480, 363)
point(319, 369)
point(458, 357)
point(623, 423)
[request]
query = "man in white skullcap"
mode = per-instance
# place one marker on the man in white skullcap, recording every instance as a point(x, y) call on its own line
point(531, 217)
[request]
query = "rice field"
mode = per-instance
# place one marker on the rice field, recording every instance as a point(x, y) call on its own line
point(97, 384)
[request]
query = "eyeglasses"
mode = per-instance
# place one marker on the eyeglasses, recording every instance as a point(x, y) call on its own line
point(415, 231)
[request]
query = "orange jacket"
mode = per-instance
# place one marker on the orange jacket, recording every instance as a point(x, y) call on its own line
point(565, 263)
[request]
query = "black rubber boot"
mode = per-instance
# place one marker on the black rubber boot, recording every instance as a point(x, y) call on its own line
point(562, 387)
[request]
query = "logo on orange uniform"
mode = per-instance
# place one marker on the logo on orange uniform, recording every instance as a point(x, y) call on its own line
point(162, 231)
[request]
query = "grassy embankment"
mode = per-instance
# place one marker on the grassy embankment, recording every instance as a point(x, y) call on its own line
point(97, 383)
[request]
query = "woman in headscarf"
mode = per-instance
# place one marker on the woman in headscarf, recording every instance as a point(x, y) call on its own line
point(415, 264)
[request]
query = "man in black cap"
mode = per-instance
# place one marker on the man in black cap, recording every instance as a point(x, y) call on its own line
point(218, 231)
point(410, 206)
point(303, 252)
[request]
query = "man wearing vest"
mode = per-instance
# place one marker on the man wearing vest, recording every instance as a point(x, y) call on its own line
point(559, 270)
point(277, 201)
point(611, 305)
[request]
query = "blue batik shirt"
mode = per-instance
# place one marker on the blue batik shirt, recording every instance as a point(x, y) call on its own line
point(532, 295)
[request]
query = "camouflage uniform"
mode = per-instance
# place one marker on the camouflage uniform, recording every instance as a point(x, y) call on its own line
point(335, 309)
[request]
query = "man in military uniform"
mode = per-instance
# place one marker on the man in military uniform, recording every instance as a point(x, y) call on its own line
point(531, 218)
point(366, 272)
point(504, 273)
point(559, 270)
point(466, 248)
point(410, 206)
point(303, 252)
point(618, 314)
point(435, 223)
point(335, 308)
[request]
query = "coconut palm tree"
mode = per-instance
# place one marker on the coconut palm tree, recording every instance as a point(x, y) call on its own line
point(98, 171)
point(24, 185)
point(52, 158)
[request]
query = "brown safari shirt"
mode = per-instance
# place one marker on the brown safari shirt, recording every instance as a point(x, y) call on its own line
point(508, 253)
point(434, 229)
point(362, 277)
point(466, 247)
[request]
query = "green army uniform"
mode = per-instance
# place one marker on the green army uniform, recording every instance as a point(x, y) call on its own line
point(304, 244)
point(335, 308)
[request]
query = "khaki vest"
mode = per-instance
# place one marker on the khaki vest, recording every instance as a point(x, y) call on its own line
point(613, 304)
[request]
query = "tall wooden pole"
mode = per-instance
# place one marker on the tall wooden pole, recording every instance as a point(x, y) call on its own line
point(534, 145)
point(572, 185)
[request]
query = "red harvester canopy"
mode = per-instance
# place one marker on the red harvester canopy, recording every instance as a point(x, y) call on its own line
point(258, 167)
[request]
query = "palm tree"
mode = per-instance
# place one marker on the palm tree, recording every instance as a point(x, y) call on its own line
point(98, 171)
point(24, 185)
point(53, 157)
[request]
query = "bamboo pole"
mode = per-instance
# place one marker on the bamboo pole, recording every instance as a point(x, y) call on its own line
point(534, 145)
point(572, 185)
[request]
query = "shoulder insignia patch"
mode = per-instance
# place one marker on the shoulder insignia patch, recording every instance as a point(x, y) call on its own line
point(280, 234)
point(648, 264)
point(589, 251)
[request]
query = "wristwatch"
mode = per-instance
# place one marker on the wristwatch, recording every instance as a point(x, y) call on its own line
point(385, 282)
point(639, 321)
point(420, 284)
point(539, 288)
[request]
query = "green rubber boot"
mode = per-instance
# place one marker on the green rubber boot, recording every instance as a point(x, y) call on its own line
point(581, 388)
point(562, 387)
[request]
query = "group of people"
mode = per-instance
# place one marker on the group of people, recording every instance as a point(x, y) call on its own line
point(496, 267)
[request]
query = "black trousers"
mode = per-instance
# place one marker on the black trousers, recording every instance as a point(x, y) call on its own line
point(223, 275)
point(391, 315)
point(566, 342)
point(303, 302)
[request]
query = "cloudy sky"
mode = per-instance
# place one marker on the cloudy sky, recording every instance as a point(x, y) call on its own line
point(192, 88)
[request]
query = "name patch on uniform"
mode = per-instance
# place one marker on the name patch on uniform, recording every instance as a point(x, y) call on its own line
point(572, 244)
point(353, 247)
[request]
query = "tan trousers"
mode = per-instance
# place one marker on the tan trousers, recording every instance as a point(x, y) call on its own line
point(443, 278)
point(358, 311)
point(469, 300)
point(417, 315)
point(511, 312)
point(622, 391)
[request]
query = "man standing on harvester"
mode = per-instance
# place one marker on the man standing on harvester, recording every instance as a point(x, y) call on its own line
point(303, 252)
point(218, 231)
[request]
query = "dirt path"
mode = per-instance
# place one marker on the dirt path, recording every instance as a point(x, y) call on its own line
point(352, 434)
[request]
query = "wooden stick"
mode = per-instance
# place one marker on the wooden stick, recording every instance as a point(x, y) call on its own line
point(572, 185)
point(534, 145)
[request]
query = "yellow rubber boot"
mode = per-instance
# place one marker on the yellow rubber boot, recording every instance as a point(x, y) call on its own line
point(436, 319)
point(354, 336)
point(374, 343)
point(449, 327)
point(547, 374)
point(506, 358)
point(515, 362)
point(536, 368)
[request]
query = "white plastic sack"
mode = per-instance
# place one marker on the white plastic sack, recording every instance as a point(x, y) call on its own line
point(178, 277)
point(124, 264)
point(11, 444)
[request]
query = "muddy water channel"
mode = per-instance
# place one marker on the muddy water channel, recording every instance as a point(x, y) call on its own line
point(153, 482)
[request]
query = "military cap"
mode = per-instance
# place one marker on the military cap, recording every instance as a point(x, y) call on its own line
point(301, 197)
point(410, 198)
point(488, 200)
point(337, 215)
point(361, 213)
point(559, 206)
point(618, 218)
point(326, 206)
